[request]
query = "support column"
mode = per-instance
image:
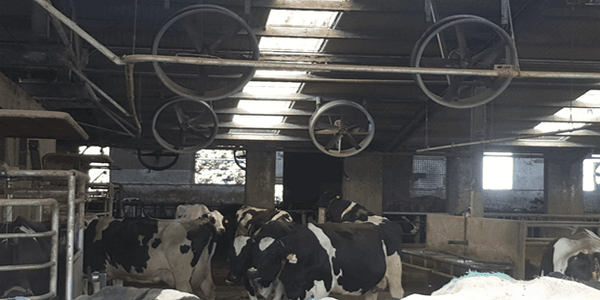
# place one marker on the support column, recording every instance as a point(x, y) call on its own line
point(363, 181)
point(260, 178)
point(563, 175)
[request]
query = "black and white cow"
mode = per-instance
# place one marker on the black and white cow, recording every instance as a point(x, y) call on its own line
point(576, 256)
point(249, 218)
point(142, 250)
point(318, 259)
point(241, 260)
point(340, 210)
point(195, 211)
point(23, 251)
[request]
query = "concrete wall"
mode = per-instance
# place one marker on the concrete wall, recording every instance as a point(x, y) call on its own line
point(363, 181)
point(490, 240)
point(208, 194)
point(260, 178)
point(133, 172)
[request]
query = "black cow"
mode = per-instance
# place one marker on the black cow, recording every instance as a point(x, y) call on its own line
point(576, 256)
point(318, 259)
point(241, 260)
point(23, 251)
point(143, 250)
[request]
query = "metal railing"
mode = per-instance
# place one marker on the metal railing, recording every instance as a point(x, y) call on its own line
point(53, 262)
point(76, 193)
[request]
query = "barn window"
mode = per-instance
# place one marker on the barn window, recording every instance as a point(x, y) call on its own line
point(99, 173)
point(218, 167)
point(591, 173)
point(498, 171)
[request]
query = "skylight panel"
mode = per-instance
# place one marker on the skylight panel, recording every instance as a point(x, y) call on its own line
point(271, 88)
point(252, 121)
point(302, 18)
point(576, 114)
point(557, 126)
point(591, 96)
point(290, 44)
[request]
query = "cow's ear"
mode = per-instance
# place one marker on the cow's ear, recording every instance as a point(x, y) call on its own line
point(292, 258)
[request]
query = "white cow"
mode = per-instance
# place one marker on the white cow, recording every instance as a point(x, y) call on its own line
point(195, 211)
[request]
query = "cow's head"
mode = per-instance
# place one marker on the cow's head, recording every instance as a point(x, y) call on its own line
point(217, 219)
point(239, 258)
point(268, 258)
point(584, 267)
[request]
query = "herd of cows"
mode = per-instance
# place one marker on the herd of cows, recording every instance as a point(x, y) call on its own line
point(354, 252)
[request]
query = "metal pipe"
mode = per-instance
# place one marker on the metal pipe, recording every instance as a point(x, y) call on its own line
point(27, 267)
point(54, 251)
point(70, 238)
point(131, 96)
point(54, 12)
point(26, 235)
point(36, 173)
point(499, 72)
point(95, 87)
point(527, 136)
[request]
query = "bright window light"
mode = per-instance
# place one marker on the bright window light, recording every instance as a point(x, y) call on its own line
point(577, 114)
point(591, 96)
point(589, 174)
point(99, 172)
point(497, 172)
point(290, 44)
point(278, 74)
point(271, 88)
point(302, 18)
point(557, 126)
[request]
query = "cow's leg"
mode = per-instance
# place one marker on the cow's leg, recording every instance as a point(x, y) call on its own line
point(279, 290)
point(393, 273)
point(202, 275)
point(371, 295)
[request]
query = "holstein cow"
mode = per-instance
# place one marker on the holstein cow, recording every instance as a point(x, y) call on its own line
point(250, 218)
point(577, 256)
point(241, 260)
point(23, 251)
point(340, 210)
point(143, 250)
point(195, 211)
point(318, 259)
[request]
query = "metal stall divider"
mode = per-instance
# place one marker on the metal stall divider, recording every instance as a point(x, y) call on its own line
point(76, 193)
point(53, 263)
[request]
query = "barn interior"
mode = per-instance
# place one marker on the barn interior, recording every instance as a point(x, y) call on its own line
point(475, 119)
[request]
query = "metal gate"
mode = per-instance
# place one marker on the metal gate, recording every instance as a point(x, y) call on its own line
point(53, 262)
point(69, 188)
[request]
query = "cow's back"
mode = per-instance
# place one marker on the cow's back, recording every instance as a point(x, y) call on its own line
point(346, 256)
